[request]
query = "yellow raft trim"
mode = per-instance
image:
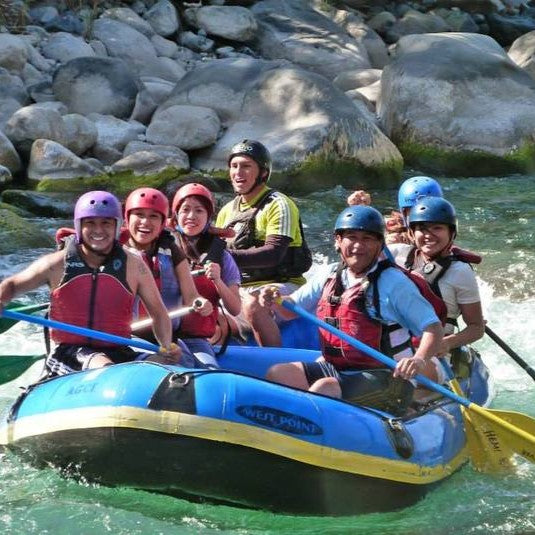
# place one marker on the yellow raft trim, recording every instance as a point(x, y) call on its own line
point(201, 427)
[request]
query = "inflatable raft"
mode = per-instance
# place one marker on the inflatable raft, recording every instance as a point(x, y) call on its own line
point(230, 436)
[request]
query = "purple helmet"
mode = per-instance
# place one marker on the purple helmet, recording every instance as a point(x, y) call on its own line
point(97, 204)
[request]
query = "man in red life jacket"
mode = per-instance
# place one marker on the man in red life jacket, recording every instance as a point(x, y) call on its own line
point(367, 297)
point(93, 282)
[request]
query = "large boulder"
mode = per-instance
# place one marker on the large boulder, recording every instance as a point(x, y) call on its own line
point(50, 160)
point(313, 130)
point(63, 47)
point(522, 52)
point(9, 157)
point(455, 103)
point(293, 30)
point(96, 85)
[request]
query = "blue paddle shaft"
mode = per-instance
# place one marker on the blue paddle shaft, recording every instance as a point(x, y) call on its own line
point(82, 331)
point(387, 361)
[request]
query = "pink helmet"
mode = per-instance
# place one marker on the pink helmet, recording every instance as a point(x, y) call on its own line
point(198, 190)
point(97, 204)
point(147, 198)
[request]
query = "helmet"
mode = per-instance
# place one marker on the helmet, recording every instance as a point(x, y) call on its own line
point(97, 204)
point(361, 218)
point(415, 188)
point(147, 198)
point(256, 151)
point(199, 191)
point(433, 210)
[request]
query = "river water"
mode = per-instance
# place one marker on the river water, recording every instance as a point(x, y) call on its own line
point(497, 219)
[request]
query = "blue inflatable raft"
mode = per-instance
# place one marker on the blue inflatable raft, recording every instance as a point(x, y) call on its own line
point(231, 436)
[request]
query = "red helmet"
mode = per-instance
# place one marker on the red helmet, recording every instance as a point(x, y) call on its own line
point(199, 191)
point(147, 198)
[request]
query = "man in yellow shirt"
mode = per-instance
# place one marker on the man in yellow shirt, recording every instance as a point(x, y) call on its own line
point(269, 245)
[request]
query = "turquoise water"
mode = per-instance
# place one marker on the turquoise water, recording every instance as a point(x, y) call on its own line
point(497, 218)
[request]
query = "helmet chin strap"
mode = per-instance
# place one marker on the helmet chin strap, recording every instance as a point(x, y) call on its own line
point(259, 180)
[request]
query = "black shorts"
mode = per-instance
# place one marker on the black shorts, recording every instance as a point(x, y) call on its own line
point(66, 358)
point(375, 388)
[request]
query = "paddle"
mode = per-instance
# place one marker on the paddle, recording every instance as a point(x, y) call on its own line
point(515, 356)
point(6, 324)
point(178, 313)
point(11, 366)
point(504, 431)
point(82, 331)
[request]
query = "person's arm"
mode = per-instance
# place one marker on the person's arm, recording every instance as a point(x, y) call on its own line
point(475, 328)
point(229, 295)
point(359, 197)
point(143, 284)
point(266, 256)
point(45, 270)
point(429, 346)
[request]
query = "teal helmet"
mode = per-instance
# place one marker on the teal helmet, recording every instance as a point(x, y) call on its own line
point(415, 188)
point(433, 210)
point(361, 218)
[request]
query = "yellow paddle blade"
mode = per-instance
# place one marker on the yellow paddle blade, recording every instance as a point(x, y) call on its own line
point(520, 440)
point(488, 451)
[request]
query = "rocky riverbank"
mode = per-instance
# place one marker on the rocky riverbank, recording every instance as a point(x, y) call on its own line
point(115, 94)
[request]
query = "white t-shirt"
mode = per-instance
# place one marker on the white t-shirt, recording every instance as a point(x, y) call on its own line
point(458, 285)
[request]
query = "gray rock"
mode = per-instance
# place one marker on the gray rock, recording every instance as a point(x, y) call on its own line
point(144, 107)
point(63, 47)
point(382, 22)
point(39, 61)
point(42, 91)
point(458, 21)
point(235, 23)
point(12, 86)
point(130, 17)
point(157, 88)
point(414, 22)
point(9, 157)
point(186, 127)
point(113, 132)
point(170, 69)
point(296, 113)
point(292, 30)
point(106, 154)
point(164, 47)
point(149, 163)
point(163, 18)
point(99, 48)
point(96, 85)
point(81, 133)
point(66, 22)
point(522, 52)
point(457, 93)
point(123, 42)
point(34, 122)
point(13, 52)
point(8, 106)
point(31, 75)
point(473, 6)
point(506, 29)
point(5, 175)
point(51, 160)
point(198, 43)
point(43, 14)
point(357, 78)
point(40, 203)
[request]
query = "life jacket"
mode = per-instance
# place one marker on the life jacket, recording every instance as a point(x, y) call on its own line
point(432, 271)
point(97, 298)
point(194, 325)
point(161, 266)
point(296, 261)
point(346, 310)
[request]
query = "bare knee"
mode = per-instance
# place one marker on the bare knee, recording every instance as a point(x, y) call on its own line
point(328, 386)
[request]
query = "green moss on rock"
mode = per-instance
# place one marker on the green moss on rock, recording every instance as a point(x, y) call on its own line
point(18, 233)
point(321, 171)
point(452, 162)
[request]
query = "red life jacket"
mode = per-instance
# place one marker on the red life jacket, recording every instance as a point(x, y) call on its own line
point(194, 325)
point(346, 310)
point(95, 298)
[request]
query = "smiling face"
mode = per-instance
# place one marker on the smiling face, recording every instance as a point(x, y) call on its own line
point(243, 174)
point(359, 249)
point(192, 216)
point(144, 225)
point(432, 239)
point(98, 234)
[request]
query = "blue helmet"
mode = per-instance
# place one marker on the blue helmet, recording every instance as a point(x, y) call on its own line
point(415, 188)
point(361, 218)
point(433, 210)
